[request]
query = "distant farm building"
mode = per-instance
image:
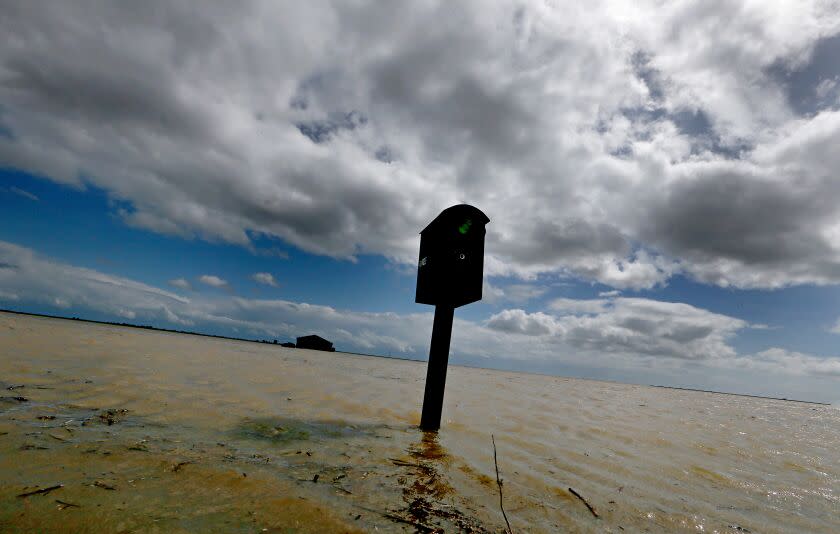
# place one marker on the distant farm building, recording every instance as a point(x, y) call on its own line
point(314, 343)
point(288, 344)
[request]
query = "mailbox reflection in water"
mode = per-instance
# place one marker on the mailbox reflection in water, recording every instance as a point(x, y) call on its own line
point(450, 270)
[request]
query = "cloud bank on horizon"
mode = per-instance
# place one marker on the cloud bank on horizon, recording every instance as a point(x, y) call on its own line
point(618, 144)
point(609, 333)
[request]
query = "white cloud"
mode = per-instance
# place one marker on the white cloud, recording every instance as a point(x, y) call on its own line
point(826, 88)
point(33, 278)
point(265, 279)
point(612, 144)
point(522, 293)
point(788, 362)
point(211, 280)
point(607, 294)
point(490, 293)
point(181, 283)
point(24, 193)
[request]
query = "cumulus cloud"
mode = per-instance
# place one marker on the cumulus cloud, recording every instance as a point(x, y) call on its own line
point(629, 326)
point(265, 279)
point(644, 326)
point(614, 145)
point(521, 322)
point(181, 283)
point(211, 280)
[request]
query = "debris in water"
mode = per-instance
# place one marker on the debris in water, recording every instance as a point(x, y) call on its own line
point(62, 505)
point(576, 494)
point(103, 485)
point(419, 526)
point(179, 465)
point(139, 446)
point(499, 482)
point(112, 416)
point(403, 463)
point(29, 447)
point(42, 491)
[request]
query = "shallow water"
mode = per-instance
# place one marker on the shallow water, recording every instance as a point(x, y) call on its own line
point(223, 435)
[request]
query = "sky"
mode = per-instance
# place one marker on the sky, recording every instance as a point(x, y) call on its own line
point(661, 179)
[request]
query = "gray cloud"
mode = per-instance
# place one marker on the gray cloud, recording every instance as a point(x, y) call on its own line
point(343, 129)
point(579, 306)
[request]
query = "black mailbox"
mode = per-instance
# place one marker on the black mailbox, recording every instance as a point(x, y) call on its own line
point(450, 271)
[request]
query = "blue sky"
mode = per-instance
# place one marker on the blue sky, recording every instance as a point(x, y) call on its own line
point(663, 205)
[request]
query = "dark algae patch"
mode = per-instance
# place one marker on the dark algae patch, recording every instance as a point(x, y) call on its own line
point(430, 501)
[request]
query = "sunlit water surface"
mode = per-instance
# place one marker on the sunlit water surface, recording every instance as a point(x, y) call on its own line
point(158, 432)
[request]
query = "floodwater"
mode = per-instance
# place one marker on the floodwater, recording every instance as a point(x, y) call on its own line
point(149, 431)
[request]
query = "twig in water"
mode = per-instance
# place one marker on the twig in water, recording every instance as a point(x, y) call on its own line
point(499, 483)
point(177, 467)
point(576, 494)
point(415, 524)
point(403, 463)
point(62, 505)
point(41, 491)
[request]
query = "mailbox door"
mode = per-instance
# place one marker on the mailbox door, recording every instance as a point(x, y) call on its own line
point(468, 270)
point(428, 273)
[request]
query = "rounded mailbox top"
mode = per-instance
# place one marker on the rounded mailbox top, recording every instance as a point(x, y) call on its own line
point(462, 217)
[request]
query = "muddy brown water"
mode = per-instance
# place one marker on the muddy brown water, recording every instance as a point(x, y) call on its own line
point(148, 431)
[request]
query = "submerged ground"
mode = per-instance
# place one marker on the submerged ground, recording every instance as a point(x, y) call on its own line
point(111, 429)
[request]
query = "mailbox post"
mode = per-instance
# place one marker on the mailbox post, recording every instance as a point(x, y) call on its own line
point(450, 273)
